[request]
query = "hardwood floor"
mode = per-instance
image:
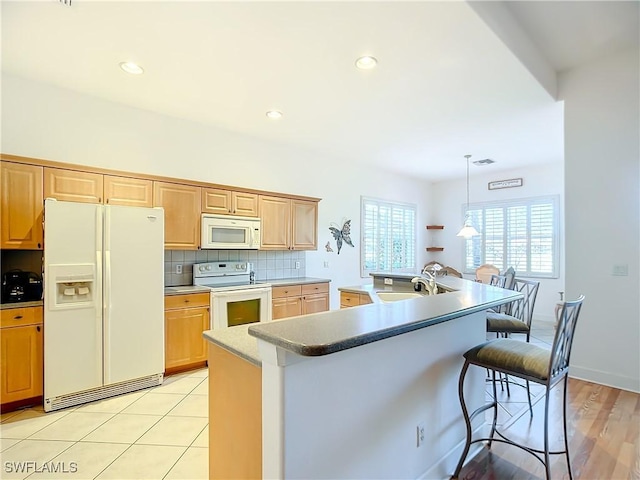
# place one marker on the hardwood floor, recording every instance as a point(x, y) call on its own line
point(603, 426)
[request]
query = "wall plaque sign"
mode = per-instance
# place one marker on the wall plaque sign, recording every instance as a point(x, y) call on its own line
point(512, 182)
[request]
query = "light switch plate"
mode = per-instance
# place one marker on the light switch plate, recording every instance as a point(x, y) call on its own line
point(620, 270)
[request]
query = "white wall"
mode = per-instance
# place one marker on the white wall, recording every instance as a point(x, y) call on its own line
point(450, 197)
point(602, 195)
point(44, 121)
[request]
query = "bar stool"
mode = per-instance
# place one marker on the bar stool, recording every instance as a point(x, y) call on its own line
point(529, 362)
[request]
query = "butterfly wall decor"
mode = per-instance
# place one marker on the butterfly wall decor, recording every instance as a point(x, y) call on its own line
point(342, 235)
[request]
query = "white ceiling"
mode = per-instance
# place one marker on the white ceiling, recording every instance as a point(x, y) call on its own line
point(445, 85)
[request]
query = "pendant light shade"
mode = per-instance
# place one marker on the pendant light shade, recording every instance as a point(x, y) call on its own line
point(467, 230)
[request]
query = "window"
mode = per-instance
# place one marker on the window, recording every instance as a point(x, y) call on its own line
point(388, 236)
point(522, 234)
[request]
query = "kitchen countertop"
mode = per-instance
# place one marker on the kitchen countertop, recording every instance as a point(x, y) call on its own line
point(281, 282)
point(336, 330)
point(6, 306)
point(237, 341)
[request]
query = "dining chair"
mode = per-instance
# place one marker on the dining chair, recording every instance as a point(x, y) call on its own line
point(484, 272)
point(547, 367)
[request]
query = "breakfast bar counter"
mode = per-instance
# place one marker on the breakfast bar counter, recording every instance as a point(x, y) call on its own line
point(342, 394)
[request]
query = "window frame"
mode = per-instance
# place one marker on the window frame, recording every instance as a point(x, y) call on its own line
point(554, 200)
point(364, 273)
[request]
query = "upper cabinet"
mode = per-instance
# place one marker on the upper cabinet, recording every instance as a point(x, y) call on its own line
point(288, 224)
point(135, 192)
point(182, 212)
point(73, 186)
point(228, 202)
point(21, 206)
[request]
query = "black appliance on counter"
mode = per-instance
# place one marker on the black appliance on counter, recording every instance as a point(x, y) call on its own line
point(19, 286)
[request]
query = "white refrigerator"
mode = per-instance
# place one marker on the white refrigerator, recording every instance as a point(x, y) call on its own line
point(103, 301)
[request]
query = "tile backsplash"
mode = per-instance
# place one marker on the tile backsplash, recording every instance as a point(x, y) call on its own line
point(268, 265)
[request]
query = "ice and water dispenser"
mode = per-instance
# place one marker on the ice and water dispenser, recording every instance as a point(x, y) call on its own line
point(72, 286)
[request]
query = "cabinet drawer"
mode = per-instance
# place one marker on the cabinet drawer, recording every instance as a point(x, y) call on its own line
point(186, 301)
point(18, 317)
point(288, 291)
point(310, 288)
point(349, 299)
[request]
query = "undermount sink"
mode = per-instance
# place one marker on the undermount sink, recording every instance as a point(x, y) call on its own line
point(396, 296)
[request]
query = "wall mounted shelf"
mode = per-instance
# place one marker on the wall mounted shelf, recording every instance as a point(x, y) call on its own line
point(435, 227)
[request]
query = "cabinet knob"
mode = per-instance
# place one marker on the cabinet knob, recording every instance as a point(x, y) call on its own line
point(39, 245)
point(186, 301)
point(38, 328)
point(17, 317)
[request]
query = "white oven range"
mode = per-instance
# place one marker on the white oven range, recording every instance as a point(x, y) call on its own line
point(235, 300)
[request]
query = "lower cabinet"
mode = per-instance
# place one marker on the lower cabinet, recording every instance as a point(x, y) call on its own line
point(21, 354)
point(351, 299)
point(292, 300)
point(185, 318)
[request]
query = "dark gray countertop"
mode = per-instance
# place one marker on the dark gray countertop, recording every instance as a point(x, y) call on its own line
point(6, 306)
point(336, 330)
point(237, 341)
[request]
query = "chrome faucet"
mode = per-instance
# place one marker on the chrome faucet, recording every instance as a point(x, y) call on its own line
point(428, 280)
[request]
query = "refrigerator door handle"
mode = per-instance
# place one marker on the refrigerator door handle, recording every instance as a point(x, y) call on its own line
point(106, 295)
point(99, 292)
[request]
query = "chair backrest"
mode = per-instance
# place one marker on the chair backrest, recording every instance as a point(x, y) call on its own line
point(498, 281)
point(484, 272)
point(451, 271)
point(563, 340)
point(523, 308)
point(510, 273)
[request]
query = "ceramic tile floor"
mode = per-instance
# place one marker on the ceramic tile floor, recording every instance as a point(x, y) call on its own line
point(511, 407)
point(157, 433)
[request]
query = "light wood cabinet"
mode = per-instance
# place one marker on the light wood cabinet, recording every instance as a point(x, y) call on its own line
point(181, 205)
point(185, 318)
point(21, 354)
point(135, 192)
point(73, 186)
point(228, 202)
point(351, 299)
point(21, 206)
point(288, 224)
point(293, 300)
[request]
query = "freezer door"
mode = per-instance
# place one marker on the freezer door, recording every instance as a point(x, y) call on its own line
point(72, 316)
point(133, 292)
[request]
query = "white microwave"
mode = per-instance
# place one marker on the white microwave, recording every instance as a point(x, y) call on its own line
point(230, 232)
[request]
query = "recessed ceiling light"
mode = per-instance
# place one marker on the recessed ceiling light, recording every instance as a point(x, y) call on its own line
point(132, 68)
point(366, 62)
point(274, 114)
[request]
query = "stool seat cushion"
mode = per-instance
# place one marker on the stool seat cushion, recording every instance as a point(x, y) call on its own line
point(512, 356)
point(501, 322)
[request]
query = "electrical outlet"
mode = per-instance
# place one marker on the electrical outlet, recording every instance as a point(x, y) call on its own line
point(388, 281)
point(420, 434)
point(179, 269)
point(326, 264)
point(297, 265)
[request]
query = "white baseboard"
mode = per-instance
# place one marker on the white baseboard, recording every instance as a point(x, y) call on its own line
point(605, 378)
point(450, 460)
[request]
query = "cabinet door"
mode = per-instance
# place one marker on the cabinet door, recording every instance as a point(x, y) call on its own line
point(184, 344)
point(244, 204)
point(73, 186)
point(215, 200)
point(275, 213)
point(181, 205)
point(286, 307)
point(315, 303)
point(135, 192)
point(21, 206)
point(21, 363)
point(305, 225)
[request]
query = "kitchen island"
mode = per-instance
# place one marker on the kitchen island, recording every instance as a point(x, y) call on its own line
point(344, 393)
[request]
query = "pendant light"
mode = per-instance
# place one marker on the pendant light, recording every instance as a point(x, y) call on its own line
point(467, 230)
